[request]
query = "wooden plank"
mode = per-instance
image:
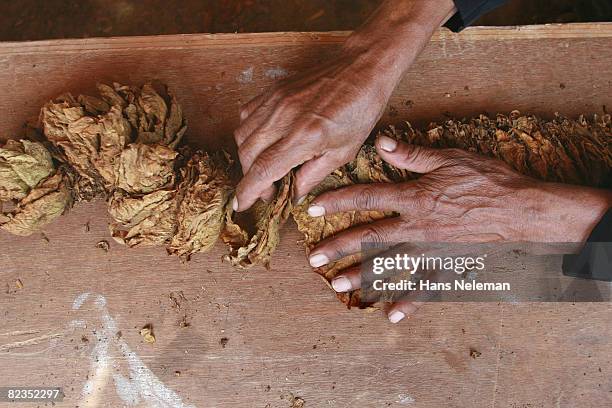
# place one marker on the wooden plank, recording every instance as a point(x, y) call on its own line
point(285, 331)
point(541, 69)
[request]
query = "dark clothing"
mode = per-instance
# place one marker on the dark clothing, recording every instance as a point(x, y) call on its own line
point(595, 259)
point(468, 11)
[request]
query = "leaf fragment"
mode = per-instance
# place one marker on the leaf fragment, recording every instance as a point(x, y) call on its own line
point(147, 334)
point(258, 249)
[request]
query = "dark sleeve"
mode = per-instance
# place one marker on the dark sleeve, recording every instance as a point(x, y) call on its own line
point(469, 10)
point(594, 260)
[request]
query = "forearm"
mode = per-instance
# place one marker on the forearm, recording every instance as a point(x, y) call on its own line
point(393, 37)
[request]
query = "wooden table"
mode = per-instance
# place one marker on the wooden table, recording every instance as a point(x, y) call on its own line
point(71, 312)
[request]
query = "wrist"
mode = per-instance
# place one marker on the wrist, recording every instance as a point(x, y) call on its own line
point(385, 60)
point(564, 213)
point(391, 40)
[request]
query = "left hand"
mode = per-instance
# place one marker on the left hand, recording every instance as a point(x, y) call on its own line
point(461, 197)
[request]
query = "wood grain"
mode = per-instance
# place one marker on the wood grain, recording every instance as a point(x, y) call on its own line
point(285, 331)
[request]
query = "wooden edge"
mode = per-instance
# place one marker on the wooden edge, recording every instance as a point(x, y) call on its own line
point(179, 41)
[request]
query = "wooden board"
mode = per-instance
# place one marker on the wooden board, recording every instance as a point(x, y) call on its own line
point(254, 337)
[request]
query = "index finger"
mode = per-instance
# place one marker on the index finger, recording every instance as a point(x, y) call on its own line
point(271, 165)
point(366, 197)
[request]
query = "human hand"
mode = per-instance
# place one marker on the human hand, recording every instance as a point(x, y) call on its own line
point(461, 197)
point(319, 120)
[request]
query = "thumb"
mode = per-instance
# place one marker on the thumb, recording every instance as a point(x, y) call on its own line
point(413, 158)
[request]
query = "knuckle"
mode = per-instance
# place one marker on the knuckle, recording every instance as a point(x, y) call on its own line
point(336, 249)
point(398, 195)
point(244, 153)
point(261, 167)
point(366, 199)
point(423, 199)
point(373, 235)
point(452, 156)
point(315, 127)
point(415, 155)
point(239, 136)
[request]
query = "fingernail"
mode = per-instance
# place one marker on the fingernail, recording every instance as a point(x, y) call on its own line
point(316, 211)
point(318, 260)
point(301, 200)
point(341, 284)
point(235, 204)
point(396, 316)
point(387, 144)
point(243, 115)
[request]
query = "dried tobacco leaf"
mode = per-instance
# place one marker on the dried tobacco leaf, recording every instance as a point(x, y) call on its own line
point(29, 182)
point(23, 164)
point(93, 105)
point(148, 113)
point(146, 220)
point(205, 190)
point(143, 169)
point(43, 204)
point(123, 144)
point(257, 250)
point(123, 139)
point(367, 167)
point(67, 127)
point(103, 245)
point(560, 150)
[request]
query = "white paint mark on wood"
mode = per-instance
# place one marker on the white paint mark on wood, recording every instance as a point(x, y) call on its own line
point(405, 399)
point(140, 385)
point(29, 342)
point(20, 332)
point(125, 390)
point(100, 302)
point(77, 324)
point(246, 76)
point(276, 73)
point(78, 302)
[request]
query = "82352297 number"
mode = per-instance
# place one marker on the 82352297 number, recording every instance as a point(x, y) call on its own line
point(24, 394)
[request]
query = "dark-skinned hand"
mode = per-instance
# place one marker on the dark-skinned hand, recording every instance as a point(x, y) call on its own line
point(460, 197)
